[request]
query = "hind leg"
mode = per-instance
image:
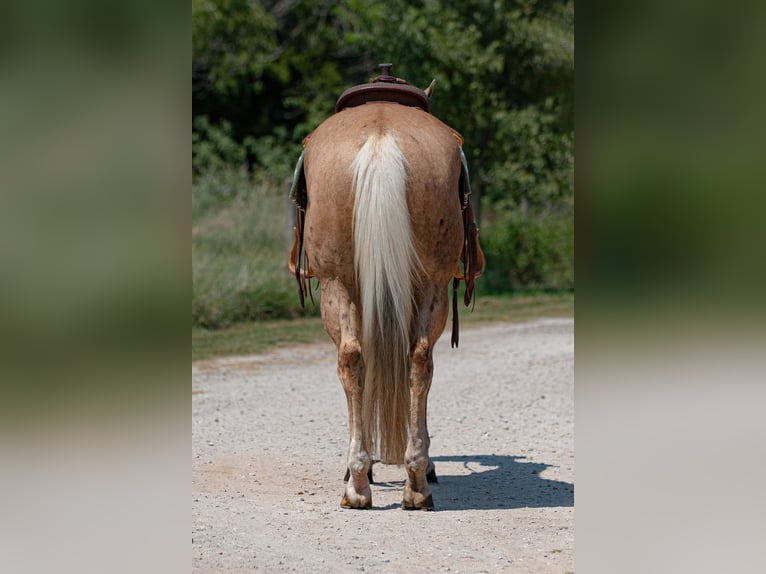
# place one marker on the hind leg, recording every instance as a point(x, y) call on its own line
point(341, 321)
point(369, 475)
point(420, 471)
point(417, 493)
point(350, 371)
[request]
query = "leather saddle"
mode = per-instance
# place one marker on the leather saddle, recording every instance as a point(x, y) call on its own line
point(386, 88)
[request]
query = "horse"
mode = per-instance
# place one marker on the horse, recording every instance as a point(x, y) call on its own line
point(383, 230)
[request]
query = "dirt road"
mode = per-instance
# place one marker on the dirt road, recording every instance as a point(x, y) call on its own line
point(269, 438)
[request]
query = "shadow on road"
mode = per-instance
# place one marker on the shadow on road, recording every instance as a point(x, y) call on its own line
point(496, 482)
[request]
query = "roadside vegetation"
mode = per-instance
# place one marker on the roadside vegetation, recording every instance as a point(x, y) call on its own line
point(241, 237)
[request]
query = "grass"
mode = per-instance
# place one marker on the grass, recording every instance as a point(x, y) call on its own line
point(257, 337)
point(518, 308)
point(241, 238)
point(254, 337)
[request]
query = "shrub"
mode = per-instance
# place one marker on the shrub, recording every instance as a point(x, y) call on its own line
point(529, 252)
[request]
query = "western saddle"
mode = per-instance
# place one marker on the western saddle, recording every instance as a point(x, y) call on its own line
point(386, 88)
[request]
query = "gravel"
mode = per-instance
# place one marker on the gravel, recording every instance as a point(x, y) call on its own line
point(269, 436)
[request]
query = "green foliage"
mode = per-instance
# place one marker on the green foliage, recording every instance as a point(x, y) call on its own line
point(274, 69)
point(233, 46)
point(530, 252)
point(504, 78)
point(536, 167)
point(213, 147)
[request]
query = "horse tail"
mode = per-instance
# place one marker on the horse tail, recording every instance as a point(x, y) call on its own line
point(385, 262)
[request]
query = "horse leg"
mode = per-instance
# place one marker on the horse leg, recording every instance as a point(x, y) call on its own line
point(341, 321)
point(430, 469)
point(351, 373)
point(432, 318)
point(431, 477)
point(369, 475)
point(417, 493)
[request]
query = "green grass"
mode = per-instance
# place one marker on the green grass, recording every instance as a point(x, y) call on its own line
point(254, 337)
point(257, 337)
point(517, 308)
point(241, 239)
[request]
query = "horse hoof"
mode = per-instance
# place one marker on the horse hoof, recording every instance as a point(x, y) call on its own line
point(369, 475)
point(419, 503)
point(365, 503)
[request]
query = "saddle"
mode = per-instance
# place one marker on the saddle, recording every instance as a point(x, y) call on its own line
point(386, 88)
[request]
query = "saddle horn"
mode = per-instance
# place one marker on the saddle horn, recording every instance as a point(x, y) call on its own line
point(430, 89)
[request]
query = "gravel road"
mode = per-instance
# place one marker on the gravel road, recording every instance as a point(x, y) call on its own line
point(269, 435)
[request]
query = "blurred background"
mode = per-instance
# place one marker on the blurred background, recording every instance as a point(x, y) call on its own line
point(94, 286)
point(265, 74)
point(670, 337)
point(95, 262)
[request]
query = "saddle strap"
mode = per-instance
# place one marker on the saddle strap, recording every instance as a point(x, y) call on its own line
point(472, 259)
point(471, 256)
point(455, 322)
point(302, 272)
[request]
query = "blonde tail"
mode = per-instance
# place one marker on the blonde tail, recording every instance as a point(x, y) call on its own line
point(385, 261)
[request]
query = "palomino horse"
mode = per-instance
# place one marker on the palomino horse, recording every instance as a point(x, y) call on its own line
point(383, 233)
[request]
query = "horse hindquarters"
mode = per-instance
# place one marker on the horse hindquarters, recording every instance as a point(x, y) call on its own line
point(367, 304)
point(370, 171)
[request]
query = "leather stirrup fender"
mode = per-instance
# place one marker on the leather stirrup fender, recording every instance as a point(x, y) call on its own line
point(300, 269)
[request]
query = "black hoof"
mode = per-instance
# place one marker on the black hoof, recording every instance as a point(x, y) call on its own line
point(431, 473)
point(369, 475)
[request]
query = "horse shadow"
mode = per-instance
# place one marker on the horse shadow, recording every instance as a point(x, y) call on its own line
point(497, 482)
